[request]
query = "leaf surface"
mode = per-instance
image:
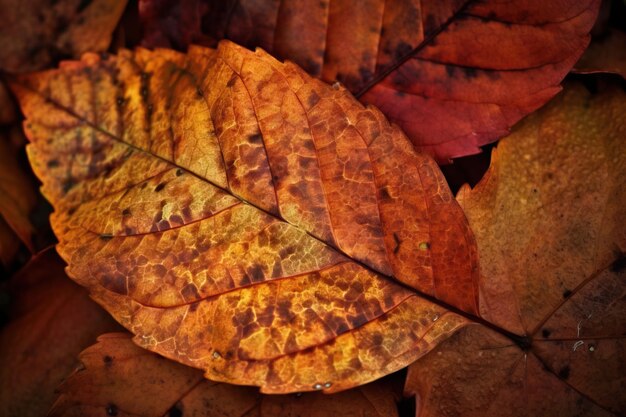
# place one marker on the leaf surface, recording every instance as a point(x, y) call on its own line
point(549, 222)
point(17, 192)
point(51, 320)
point(607, 54)
point(119, 377)
point(35, 33)
point(241, 217)
point(453, 74)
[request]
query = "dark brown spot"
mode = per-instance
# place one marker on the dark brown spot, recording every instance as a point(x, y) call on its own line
point(564, 372)
point(106, 236)
point(53, 163)
point(619, 264)
point(190, 292)
point(120, 101)
point(108, 361)
point(160, 187)
point(232, 81)
point(111, 409)
point(358, 320)
point(199, 93)
point(546, 333)
point(284, 311)
point(469, 72)
point(566, 293)
point(179, 172)
point(126, 212)
point(175, 411)
point(398, 242)
point(384, 194)
point(402, 50)
point(68, 184)
point(144, 92)
point(256, 273)
point(377, 339)
point(256, 138)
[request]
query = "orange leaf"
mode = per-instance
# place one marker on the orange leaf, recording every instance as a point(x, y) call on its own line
point(51, 320)
point(243, 218)
point(118, 378)
point(36, 33)
point(549, 220)
point(454, 74)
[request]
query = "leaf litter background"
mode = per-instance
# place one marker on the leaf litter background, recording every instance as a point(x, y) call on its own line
point(555, 185)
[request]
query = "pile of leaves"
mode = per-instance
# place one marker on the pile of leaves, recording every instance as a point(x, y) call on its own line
point(315, 208)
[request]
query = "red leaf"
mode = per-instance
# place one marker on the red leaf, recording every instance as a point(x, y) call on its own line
point(453, 74)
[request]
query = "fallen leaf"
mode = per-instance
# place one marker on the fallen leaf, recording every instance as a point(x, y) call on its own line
point(607, 54)
point(549, 221)
point(36, 33)
point(51, 320)
point(453, 74)
point(17, 192)
point(241, 217)
point(9, 246)
point(119, 378)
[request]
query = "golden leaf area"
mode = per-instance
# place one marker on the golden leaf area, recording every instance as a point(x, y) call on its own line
point(275, 246)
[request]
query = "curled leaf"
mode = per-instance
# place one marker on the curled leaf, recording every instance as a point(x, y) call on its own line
point(241, 217)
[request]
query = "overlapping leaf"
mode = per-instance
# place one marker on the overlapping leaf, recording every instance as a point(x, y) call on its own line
point(549, 220)
point(36, 33)
point(51, 320)
point(118, 378)
point(243, 218)
point(454, 74)
point(607, 54)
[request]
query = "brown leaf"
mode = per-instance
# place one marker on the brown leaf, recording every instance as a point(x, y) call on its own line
point(241, 217)
point(454, 74)
point(35, 33)
point(51, 321)
point(549, 221)
point(119, 378)
point(17, 192)
point(607, 54)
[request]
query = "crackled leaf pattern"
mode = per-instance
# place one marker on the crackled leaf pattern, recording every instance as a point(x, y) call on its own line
point(241, 217)
point(116, 376)
point(548, 219)
point(454, 74)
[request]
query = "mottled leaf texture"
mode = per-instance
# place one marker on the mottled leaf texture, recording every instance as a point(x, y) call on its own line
point(118, 378)
point(241, 217)
point(607, 54)
point(549, 220)
point(454, 74)
point(51, 320)
point(36, 33)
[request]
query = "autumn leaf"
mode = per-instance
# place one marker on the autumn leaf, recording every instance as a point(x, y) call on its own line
point(607, 54)
point(453, 74)
point(119, 378)
point(549, 222)
point(17, 192)
point(36, 33)
point(51, 320)
point(241, 217)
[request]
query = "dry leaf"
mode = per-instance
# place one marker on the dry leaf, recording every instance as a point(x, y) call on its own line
point(17, 192)
point(607, 54)
point(453, 74)
point(241, 217)
point(118, 378)
point(549, 220)
point(51, 321)
point(36, 33)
